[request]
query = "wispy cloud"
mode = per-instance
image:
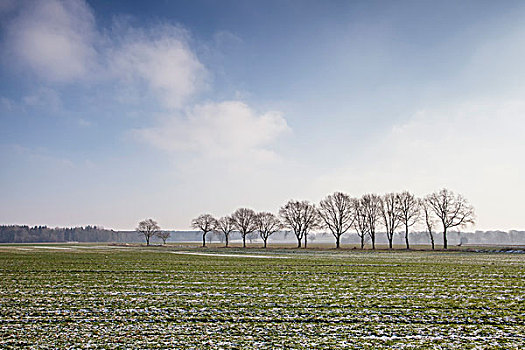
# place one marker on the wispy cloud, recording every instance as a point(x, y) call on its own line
point(60, 43)
point(55, 39)
point(160, 58)
point(229, 129)
point(470, 147)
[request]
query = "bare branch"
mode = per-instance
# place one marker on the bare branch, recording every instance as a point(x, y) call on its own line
point(390, 214)
point(360, 222)
point(372, 209)
point(453, 210)
point(429, 220)
point(206, 223)
point(225, 225)
point(267, 224)
point(337, 214)
point(300, 217)
point(164, 235)
point(245, 222)
point(408, 211)
point(148, 228)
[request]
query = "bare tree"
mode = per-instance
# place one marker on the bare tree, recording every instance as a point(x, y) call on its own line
point(360, 222)
point(267, 224)
point(389, 212)
point(291, 215)
point(372, 209)
point(429, 220)
point(312, 220)
point(148, 228)
point(453, 210)
point(245, 222)
point(206, 223)
point(337, 214)
point(225, 225)
point(301, 217)
point(164, 235)
point(409, 211)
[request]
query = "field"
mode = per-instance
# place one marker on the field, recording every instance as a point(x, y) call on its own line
point(81, 296)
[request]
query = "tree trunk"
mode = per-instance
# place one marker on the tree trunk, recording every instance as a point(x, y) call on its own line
point(264, 240)
point(244, 241)
point(373, 236)
point(432, 240)
point(298, 242)
point(204, 240)
point(445, 245)
point(406, 237)
point(337, 242)
point(390, 239)
point(362, 242)
point(226, 240)
point(147, 240)
point(305, 241)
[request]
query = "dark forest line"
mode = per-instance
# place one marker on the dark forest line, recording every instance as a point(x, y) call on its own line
point(45, 234)
point(94, 234)
point(36, 234)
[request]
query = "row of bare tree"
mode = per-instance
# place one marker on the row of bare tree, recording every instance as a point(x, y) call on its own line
point(243, 220)
point(150, 228)
point(339, 213)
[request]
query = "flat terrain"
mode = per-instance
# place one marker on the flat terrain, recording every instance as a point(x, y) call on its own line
point(89, 296)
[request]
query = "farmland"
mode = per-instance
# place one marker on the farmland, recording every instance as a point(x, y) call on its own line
point(81, 296)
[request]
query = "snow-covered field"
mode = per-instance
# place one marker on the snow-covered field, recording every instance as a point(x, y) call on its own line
point(233, 299)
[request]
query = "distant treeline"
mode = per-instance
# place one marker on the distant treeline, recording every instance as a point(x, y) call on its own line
point(500, 238)
point(36, 234)
point(497, 238)
point(26, 234)
point(44, 234)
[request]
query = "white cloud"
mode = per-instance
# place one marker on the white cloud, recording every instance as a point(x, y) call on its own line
point(470, 141)
point(144, 68)
point(162, 59)
point(227, 129)
point(469, 147)
point(55, 39)
point(464, 137)
point(59, 42)
point(156, 65)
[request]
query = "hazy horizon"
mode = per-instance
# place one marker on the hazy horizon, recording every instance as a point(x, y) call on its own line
point(112, 112)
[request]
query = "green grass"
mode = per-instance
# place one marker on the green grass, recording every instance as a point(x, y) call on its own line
point(138, 297)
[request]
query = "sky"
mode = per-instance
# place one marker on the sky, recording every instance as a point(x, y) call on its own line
point(116, 111)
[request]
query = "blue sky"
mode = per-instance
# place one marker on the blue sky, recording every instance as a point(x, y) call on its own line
point(113, 111)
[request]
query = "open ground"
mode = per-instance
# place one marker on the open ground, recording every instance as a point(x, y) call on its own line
point(104, 296)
